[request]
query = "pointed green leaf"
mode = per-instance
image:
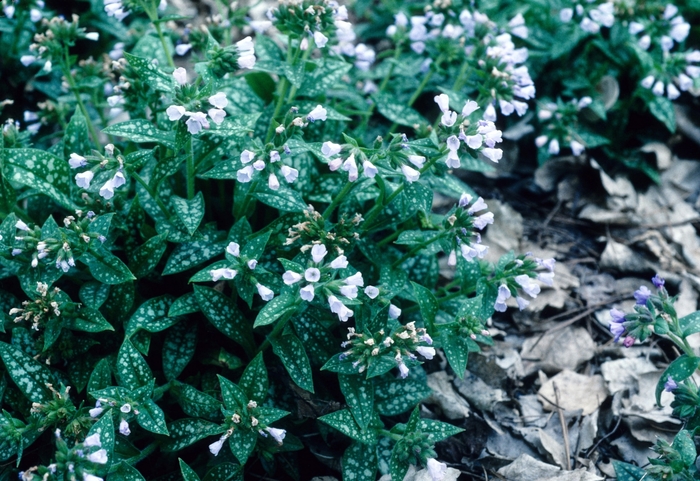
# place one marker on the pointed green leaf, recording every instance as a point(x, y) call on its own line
point(125, 472)
point(398, 396)
point(178, 348)
point(396, 111)
point(690, 324)
point(399, 463)
point(188, 473)
point(662, 109)
point(427, 303)
point(224, 472)
point(101, 376)
point(254, 248)
point(191, 254)
point(242, 443)
point(360, 462)
point(76, 138)
point(233, 396)
point(93, 294)
point(39, 170)
point(132, 370)
point(680, 370)
point(30, 376)
point(185, 432)
point(291, 352)
point(254, 380)
point(437, 430)
point(276, 308)
point(185, 304)
point(344, 422)
point(150, 73)
point(284, 199)
point(141, 130)
point(359, 395)
point(106, 267)
point(147, 256)
point(194, 402)
point(224, 315)
point(89, 320)
point(190, 212)
point(151, 418)
point(457, 352)
point(105, 428)
point(628, 472)
point(152, 316)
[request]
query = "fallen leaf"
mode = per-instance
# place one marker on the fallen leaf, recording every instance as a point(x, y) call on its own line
point(453, 406)
point(563, 349)
point(478, 393)
point(576, 391)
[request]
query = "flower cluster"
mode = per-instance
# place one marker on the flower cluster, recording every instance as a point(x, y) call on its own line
point(109, 165)
point(48, 304)
point(650, 313)
point(592, 17)
point(664, 31)
point(461, 224)
point(196, 121)
point(246, 265)
point(560, 123)
point(520, 275)
point(249, 418)
point(272, 167)
point(677, 71)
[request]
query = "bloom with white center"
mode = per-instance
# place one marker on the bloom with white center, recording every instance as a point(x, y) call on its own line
point(318, 113)
point(175, 112)
point(426, 352)
point(234, 249)
point(124, 427)
point(417, 160)
point(290, 174)
point(99, 457)
point(107, 190)
point(223, 273)
point(246, 53)
point(265, 293)
point(448, 118)
point(318, 252)
point(180, 75)
point(320, 39)
point(355, 280)
point(503, 295)
point(273, 183)
point(312, 274)
point(196, 122)
point(394, 311)
point(340, 262)
point(436, 469)
point(217, 115)
point(307, 293)
point(277, 434)
point(84, 178)
point(329, 149)
point(291, 277)
point(215, 447)
point(93, 440)
point(245, 174)
point(76, 161)
point(371, 292)
point(411, 174)
point(219, 100)
point(443, 102)
point(183, 48)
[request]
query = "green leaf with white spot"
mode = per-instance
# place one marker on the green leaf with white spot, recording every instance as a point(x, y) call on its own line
point(399, 464)
point(397, 111)
point(194, 402)
point(185, 432)
point(376, 366)
point(233, 396)
point(224, 472)
point(150, 73)
point(93, 294)
point(680, 370)
point(456, 350)
point(690, 324)
point(224, 315)
point(254, 248)
point(359, 396)
point(254, 380)
point(284, 199)
point(242, 443)
point(39, 170)
point(270, 415)
point(185, 304)
point(106, 267)
point(662, 109)
point(426, 302)
point(105, 428)
point(151, 418)
point(179, 346)
point(628, 472)
point(152, 316)
point(190, 212)
point(359, 462)
point(344, 422)
point(188, 473)
point(418, 198)
point(141, 131)
point(342, 366)
point(191, 254)
point(89, 320)
point(30, 376)
point(132, 369)
point(76, 138)
point(400, 395)
point(101, 376)
point(125, 472)
point(276, 308)
point(291, 352)
point(437, 430)
point(147, 256)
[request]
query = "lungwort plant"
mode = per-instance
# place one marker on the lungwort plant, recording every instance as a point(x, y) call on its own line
point(219, 244)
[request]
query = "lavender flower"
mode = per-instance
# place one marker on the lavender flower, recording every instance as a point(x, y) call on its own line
point(658, 281)
point(642, 294)
point(670, 384)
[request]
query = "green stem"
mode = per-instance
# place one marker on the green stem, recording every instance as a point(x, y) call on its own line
point(160, 390)
point(81, 105)
point(459, 81)
point(682, 343)
point(389, 434)
point(337, 200)
point(277, 329)
point(304, 58)
point(391, 237)
point(168, 55)
point(239, 212)
point(147, 451)
point(21, 18)
point(190, 170)
point(153, 195)
point(414, 97)
point(282, 92)
point(417, 249)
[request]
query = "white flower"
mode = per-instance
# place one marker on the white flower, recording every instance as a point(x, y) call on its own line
point(339, 308)
point(94, 36)
point(252, 264)
point(684, 82)
point(529, 287)
point(180, 75)
point(473, 141)
point(484, 219)
point(217, 115)
point(635, 27)
point(312, 274)
point(291, 277)
point(490, 113)
point(469, 107)
point(126, 408)
point(245, 174)
point(369, 169)
point(577, 148)
point(320, 39)
point(493, 155)
point(680, 30)
point(318, 252)
point(84, 178)
point(318, 113)
point(340, 262)
point(196, 122)
point(272, 182)
point(183, 48)
point(277, 434)
point(541, 140)
point(215, 447)
point(426, 352)
point(443, 102)
point(647, 81)
point(329, 149)
point(93, 440)
point(546, 278)
point(91, 477)
point(436, 469)
point(27, 60)
point(290, 174)
point(307, 293)
point(522, 303)
point(417, 160)
point(394, 311)
point(224, 273)
point(349, 291)
point(124, 427)
point(234, 249)
point(76, 161)
point(658, 88)
point(107, 190)
point(247, 156)
point(355, 280)
point(553, 148)
point(371, 292)
point(175, 112)
point(448, 118)
point(219, 100)
point(644, 42)
point(403, 370)
point(246, 53)
point(99, 457)
point(478, 205)
point(507, 108)
point(452, 160)
point(350, 166)
point(411, 174)
point(672, 92)
point(265, 293)
point(96, 411)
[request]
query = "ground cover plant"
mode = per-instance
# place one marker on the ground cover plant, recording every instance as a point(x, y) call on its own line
point(232, 244)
